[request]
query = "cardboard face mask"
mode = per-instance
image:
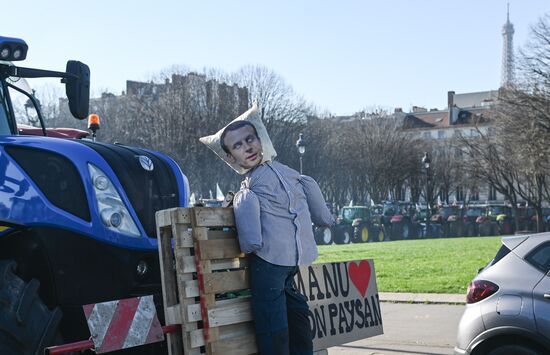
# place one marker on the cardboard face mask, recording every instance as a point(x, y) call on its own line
point(253, 117)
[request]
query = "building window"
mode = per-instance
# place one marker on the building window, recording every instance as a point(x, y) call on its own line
point(459, 196)
point(440, 134)
point(474, 195)
point(427, 135)
point(400, 194)
point(492, 193)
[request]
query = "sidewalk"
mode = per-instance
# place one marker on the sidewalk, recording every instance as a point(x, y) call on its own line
point(444, 298)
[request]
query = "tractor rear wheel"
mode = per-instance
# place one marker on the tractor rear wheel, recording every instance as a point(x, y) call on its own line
point(379, 234)
point(343, 235)
point(27, 326)
point(324, 236)
point(361, 234)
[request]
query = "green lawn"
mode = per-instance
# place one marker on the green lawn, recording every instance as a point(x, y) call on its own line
point(427, 265)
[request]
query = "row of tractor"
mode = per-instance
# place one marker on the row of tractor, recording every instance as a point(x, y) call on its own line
point(404, 220)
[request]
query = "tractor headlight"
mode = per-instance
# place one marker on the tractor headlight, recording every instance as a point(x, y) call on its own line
point(12, 49)
point(112, 210)
point(17, 53)
point(4, 53)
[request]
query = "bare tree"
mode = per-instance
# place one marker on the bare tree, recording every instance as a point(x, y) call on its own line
point(524, 116)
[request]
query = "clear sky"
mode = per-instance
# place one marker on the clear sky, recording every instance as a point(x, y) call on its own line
point(340, 55)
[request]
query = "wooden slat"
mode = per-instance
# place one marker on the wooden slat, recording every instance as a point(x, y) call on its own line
point(194, 310)
point(188, 262)
point(226, 281)
point(219, 249)
point(188, 288)
point(204, 268)
point(230, 314)
point(162, 218)
point(196, 338)
point(223, 333)
point(218, 264)
point(213, 217)
point(183, 280)
point(182, 215)
point(236, 346)
point(172, 314)
point(183, 238)
point(222, 234)
point(169, 286)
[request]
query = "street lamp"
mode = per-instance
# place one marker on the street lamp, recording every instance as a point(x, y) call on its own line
point(426, 164)
point(301, 145)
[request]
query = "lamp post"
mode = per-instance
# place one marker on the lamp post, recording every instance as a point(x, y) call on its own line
point(426, 164)
point(301, 145)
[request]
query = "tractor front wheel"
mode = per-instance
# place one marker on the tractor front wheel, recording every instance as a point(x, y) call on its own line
point(27, 326)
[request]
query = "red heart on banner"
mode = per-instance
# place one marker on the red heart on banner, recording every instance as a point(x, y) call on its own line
point(360, 275)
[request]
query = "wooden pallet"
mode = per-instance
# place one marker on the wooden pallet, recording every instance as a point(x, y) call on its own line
point(201, 263)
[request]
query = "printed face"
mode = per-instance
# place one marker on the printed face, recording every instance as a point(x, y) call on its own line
point(244, 146)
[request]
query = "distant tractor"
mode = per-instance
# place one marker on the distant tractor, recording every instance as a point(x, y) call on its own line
point(398, 220)
point(501, 216)
point(488, 221)
point(357, 224)
point(447, 222)
point(473, 212)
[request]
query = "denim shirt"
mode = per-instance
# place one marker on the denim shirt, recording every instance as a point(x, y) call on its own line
point(274, 210)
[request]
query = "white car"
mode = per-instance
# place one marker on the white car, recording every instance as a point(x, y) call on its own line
point(508, 302)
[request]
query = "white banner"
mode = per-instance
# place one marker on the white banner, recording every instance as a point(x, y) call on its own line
point(343, 301)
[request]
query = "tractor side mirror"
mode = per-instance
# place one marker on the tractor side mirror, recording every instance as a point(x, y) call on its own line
point(77, 87)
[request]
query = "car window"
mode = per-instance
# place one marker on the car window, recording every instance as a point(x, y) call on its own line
point(501, 253)
point(540, 257)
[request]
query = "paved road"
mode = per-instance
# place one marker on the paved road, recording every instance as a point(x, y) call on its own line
point(428, 329)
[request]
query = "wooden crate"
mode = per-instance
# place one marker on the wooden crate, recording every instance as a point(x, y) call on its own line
point(202, 270)
point(201, 266)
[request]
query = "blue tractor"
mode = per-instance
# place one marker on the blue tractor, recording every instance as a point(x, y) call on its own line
point(77, 217)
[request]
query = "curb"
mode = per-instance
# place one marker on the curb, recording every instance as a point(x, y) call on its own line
point(428, 298)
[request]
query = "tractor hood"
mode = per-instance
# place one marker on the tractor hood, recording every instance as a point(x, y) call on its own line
point(48, 181)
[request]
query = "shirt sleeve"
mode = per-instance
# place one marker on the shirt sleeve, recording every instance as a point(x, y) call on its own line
point(320, 214)
point(247, 219)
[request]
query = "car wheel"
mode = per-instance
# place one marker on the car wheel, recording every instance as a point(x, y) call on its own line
point(323, 236)
point(515, 349)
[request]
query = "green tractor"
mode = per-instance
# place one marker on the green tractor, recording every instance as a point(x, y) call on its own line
point(357, 224)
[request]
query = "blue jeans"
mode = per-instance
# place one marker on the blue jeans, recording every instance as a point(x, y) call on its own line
point(280, 313)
